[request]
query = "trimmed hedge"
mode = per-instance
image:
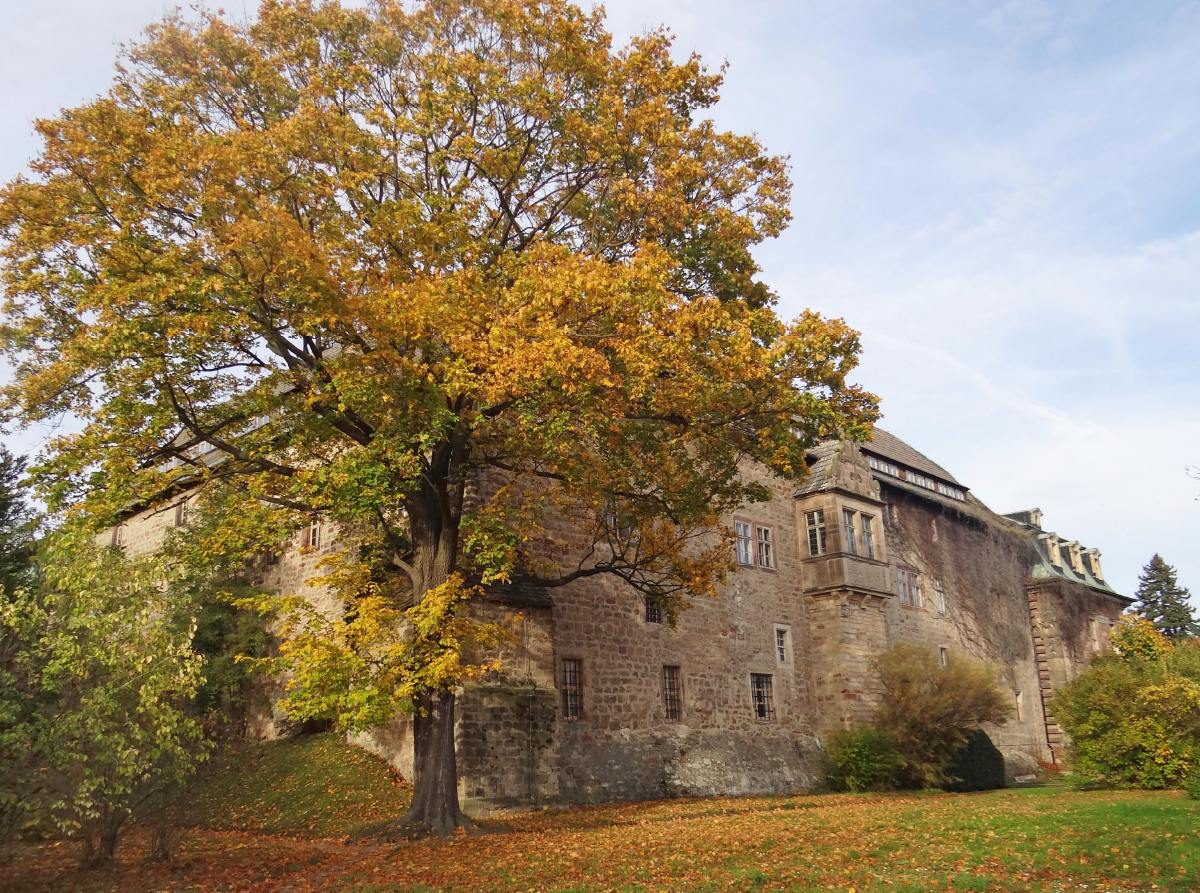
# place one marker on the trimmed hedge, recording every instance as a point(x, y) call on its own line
point(977, 766)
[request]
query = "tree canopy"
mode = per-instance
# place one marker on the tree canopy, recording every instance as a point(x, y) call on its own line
point(1162, 601)
point(442, 274)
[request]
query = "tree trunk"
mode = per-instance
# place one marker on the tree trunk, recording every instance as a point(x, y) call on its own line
point(435, 772)
point(100, 838)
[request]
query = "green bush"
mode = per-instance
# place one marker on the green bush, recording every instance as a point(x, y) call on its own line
point(977, 766)
point(863, 759)
point(1134, 715)
point(1193, 784)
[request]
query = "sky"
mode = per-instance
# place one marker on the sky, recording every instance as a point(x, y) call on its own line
point(1003, 197)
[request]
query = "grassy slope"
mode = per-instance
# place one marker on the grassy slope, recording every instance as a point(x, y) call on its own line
point(1019, 841)
point(312, 786)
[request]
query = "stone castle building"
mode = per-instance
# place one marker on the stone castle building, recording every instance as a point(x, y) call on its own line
point(600, 699)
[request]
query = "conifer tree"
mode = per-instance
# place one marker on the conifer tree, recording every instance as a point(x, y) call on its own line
point(1163, 602)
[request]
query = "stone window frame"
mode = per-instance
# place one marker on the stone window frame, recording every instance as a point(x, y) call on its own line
point(567, 689)
point(939, 595)
point(181, 513)
point(815, 533)
point(749, 553)
point(653, 612)
point(784, 646)
point(118, 535)
point(850, 530)
point(762, 698)
point(769, 542)
point(943, 655)
point(672, 689)
point(313, 534)
point(1019, 698)
point(867, 524)
point(753, 529)
point(910, 579)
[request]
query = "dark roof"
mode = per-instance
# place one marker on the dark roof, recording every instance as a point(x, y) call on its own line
point(891, 447)
point(1046, 569)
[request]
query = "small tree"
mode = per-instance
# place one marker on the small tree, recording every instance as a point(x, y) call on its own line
point(929, 708)
point(1162, 601)
point(116, 677)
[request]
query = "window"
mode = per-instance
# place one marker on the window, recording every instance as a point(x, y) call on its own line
point(766, 556)
point(914, 589)
point(760, 694)
point(118, 536)
point(952, 492)
point(781, 641)
point(943, 655)
point(939, 596)
point(868, 535)
point(745, 545)
point(1099, 634)
point(312, 536)
point(181, 514)
point(816, 532)
point(902, 586)
point(848, 528)
point(1019, 697)
point(571, 688)
point(884, 466)
point(671, 693)
point(653, 611)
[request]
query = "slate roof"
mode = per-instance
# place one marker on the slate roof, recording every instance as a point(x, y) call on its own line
point(889, 446)
point(822, 466)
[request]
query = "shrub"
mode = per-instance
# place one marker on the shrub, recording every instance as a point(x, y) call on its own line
point(863, 759)
point(929, 709)
point(976, 766)
point(1134, 716)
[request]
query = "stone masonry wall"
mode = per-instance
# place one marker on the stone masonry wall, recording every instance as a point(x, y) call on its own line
point(982, 565)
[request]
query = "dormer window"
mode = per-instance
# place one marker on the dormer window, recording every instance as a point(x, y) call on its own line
point(1076, 559)
point(1052, 550)
point(1093, 560)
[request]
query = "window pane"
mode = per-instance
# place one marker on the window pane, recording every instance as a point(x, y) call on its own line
point(848, 527)
point(765, 556)
point(571, 688)
point(671, 693)
point(745, 548)
point(816, 532)
point(902, 586)
point(914, 589)
point(653, 612)
point(760, 691)
point(781, 645)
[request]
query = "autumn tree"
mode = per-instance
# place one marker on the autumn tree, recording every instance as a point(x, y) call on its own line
point(1162, 601)
point(436, 273)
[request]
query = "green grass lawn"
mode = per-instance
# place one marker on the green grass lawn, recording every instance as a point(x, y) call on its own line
point(276, 817)
point(311, 786)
